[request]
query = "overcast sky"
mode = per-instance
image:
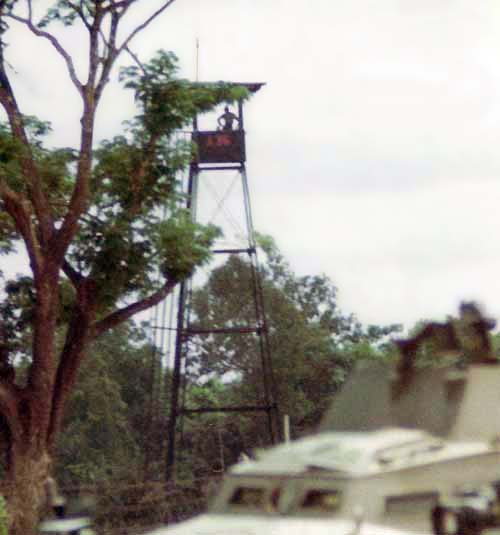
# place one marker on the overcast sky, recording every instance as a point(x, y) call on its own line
point(373, 149)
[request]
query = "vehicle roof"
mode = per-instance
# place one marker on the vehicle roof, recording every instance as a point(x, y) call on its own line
point(351, 454)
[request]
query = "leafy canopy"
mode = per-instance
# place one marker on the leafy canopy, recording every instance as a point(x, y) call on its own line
point(135, 232)
point(312, 342)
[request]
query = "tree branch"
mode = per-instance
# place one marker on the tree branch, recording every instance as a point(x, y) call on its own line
point(9, 398)
point(69, 363)
point(73, 275)
point(81, 191)
point(138, 177)
point(110, 43)
point(15, 205)
point(123, 314)
point(136, 59)
point(112, 53)
point(122, 4)
point(94, 59)
point(55, 43)
point(146, 23)
point(79, 11)
point(29, 168)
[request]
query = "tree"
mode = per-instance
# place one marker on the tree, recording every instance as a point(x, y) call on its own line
point(88, 218)
point(313, 344)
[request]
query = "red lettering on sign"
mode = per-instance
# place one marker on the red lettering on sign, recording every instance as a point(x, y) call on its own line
point(223, 140)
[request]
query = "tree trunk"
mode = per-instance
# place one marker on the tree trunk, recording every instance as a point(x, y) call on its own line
point(28, 470)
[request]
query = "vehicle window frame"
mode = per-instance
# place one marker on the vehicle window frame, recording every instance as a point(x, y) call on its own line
point(231, 485)
point(304, 486)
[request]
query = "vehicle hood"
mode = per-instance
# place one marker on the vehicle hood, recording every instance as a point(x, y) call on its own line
point(216, 524)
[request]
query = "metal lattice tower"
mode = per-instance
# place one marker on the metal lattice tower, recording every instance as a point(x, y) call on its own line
point(220, 152)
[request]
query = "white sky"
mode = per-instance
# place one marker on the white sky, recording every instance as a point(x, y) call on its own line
point(373, 150)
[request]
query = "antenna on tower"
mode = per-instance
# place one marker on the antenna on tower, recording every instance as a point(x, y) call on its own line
point(197, 33)
point(197, 59)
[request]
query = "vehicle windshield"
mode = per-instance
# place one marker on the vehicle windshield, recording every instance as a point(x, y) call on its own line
point(263, 499)
point(289, 496)
point(320, 501)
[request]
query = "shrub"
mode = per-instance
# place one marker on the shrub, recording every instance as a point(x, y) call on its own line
point(3, 516)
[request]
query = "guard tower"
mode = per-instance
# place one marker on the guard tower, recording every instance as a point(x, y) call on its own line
point(218, 151)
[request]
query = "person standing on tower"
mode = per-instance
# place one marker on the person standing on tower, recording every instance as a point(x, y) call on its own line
point(226, 120)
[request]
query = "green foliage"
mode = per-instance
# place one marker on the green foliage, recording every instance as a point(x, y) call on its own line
point(118, 414)
point(134, 180)
point(11, 151)
point(3, 517)
point(134, 176)
point(16, 310)
point(104, 236)
point(168, 102)
point(63, 14)
point(107, 419)
point(7, 234)
point(124, 239)
point(495, 342)
point(312, 343)
point(183, 245)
